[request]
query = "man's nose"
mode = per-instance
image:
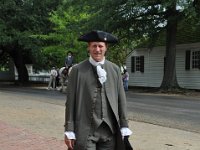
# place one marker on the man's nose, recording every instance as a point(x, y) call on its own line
point(97, 48)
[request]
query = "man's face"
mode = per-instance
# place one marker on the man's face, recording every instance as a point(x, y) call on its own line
point(69, 54)
point(97, 50)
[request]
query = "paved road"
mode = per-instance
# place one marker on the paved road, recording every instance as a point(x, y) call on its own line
point(175, 111)
point(182, 112)
point(32, 119)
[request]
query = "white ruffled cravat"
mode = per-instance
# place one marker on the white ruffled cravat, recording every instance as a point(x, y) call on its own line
point(100, 71)
point(101, 74)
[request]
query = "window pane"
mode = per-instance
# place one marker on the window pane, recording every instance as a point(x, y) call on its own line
point(137, 63)
point(195, 59)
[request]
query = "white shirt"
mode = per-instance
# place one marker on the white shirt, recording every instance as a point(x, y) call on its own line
point(54, 73)
point(100, 71)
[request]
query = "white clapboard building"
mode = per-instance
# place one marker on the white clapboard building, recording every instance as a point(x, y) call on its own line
point(146, 66)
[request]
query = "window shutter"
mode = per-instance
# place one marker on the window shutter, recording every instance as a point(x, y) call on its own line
point(132, 64)
point(199, 60)
point(187, 60)
point(164, 64)
point(142, 63)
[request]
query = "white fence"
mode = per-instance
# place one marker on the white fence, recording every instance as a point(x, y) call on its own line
point(37, 78)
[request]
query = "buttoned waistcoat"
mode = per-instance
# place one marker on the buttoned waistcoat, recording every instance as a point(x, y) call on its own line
point(81, 91)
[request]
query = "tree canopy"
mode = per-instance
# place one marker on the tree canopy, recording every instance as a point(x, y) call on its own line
point(141, 20)
point(63, 37)
point(27, 25)
point(18, 21)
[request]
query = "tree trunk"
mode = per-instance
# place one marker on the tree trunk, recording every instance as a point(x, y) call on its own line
point(169, 82)
point(17, 57)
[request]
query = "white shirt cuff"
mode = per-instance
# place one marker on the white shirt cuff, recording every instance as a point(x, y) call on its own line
point(70, 135)
point(125, 131)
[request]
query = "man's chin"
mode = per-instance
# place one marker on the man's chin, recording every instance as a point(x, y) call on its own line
point(97, 59)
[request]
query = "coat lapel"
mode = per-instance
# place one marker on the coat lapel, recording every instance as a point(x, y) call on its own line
point(109, 86)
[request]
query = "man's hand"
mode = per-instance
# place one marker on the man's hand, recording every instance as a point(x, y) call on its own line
point(69, 143)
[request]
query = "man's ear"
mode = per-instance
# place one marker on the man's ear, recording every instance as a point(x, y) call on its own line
point(106, 49)
point(88, 46)
point(88, 51)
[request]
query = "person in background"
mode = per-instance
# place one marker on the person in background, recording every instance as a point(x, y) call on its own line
point(125, 79)
point(63, 78)
point(57, 78)
point(95, 114)
point(52, 80)
point(69, 60)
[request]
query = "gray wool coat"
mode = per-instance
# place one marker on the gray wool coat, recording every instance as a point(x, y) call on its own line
point(81, 91)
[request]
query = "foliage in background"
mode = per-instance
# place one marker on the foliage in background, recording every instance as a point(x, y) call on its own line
point(67, 21)
point(141, 20)
point(41, 33)
point(19, 20)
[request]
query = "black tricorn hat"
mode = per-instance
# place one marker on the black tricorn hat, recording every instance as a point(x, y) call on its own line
point(98, 36)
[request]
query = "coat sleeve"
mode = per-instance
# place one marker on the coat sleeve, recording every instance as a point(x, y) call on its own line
point(122, 102)
point(70, 105)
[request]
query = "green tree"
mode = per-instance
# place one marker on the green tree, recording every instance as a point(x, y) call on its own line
point(67, 26)
point(18, 21)
point(142, 20)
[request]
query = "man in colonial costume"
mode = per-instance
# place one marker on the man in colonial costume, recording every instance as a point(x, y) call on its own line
point(96, 116)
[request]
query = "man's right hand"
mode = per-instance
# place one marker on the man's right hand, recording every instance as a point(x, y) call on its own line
point(69, 143)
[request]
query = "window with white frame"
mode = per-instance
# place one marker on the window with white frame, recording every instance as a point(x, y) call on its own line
point(195, 59)
point(137, 63)
point(192, 59)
